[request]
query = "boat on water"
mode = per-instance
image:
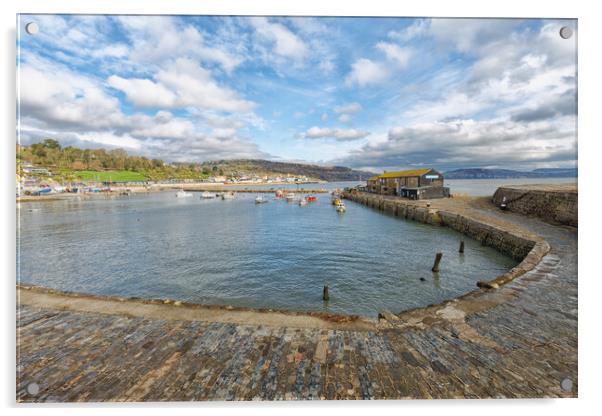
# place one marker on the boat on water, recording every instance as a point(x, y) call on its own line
point(337, 202)
point(261, 200)
point(303, 202)
point(207, 195)
point(311, 198)
point(183, 194)
point(290, 197)
point(341, 208)
point(279, 194)
point(228, 195)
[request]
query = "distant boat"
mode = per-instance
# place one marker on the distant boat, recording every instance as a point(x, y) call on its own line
point(341, 208)
point(303, 202)
point(183, 194)
point(311, 198)
point(228, 195)
point(290, 197)
point(207, 195)
point(260, 200)
point(279, 193)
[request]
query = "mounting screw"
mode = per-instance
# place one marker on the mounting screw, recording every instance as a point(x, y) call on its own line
point(32, 28)
point(566, 32)
point(33, 389)
point(566, 384)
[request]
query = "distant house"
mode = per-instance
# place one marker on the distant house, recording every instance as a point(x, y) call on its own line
point(373, 185)
point(424, 183)
point(39, 171)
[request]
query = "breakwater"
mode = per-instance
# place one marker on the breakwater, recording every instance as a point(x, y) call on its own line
point(526, 247)
point(552, 203)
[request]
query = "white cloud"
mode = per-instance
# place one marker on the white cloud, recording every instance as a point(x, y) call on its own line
point(76, 110)
point(157, 39)
point(366, 72)
point(183, 84)
point(143, 92)
point(417, 28)
point(285, 43)
point(349, 108)
point(469, 143)
point(344, 118)
point(400, 56)
point(338, 134)
point(118, 50)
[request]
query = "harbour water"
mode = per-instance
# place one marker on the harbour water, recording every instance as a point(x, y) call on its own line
point(486, 187)
point(471, 187)
point(276, 255)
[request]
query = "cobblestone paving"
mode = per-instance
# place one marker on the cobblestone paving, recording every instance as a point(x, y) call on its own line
point(524, 346)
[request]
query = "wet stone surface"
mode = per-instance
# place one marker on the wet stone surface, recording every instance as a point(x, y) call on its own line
point(523, 346)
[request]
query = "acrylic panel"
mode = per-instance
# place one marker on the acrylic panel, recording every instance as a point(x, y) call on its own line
point(295, 208)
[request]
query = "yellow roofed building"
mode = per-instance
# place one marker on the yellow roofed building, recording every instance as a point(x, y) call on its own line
point(410, 183)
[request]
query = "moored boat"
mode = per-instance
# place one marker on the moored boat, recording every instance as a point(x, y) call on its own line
point(228, 195)
point(183, 194)
point(341, 208)
point(303, 202)
point(311, 198)
point(290, 196)
point(207, 195)
point(260, 200)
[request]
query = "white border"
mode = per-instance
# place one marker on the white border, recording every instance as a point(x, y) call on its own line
point(589, 152)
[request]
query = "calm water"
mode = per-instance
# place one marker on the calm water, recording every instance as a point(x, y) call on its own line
point(485, 187)
point(276, 255)
point(473, 187)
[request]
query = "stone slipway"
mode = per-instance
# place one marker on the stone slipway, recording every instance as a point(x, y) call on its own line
point(516, 341)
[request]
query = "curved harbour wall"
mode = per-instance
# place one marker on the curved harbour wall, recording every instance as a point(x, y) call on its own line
point(527, 248)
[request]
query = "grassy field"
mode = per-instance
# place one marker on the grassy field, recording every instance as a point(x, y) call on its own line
point(109, 175)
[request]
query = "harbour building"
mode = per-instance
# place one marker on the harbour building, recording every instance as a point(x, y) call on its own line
point(426, 183)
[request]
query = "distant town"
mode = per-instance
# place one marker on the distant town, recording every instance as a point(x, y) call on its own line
point(47, 167)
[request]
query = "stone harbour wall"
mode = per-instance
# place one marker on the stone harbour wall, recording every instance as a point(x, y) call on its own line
point(556, 204)
point(527, 248)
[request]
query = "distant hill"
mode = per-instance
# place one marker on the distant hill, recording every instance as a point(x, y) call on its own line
point(264, 167)
point(477, 173)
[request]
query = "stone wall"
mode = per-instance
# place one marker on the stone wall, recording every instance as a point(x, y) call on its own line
point(526, 248)
point(554, 204)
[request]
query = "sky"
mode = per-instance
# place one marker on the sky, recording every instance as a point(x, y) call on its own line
point(368, 93)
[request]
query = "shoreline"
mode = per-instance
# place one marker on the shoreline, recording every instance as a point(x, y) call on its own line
point(156, 189)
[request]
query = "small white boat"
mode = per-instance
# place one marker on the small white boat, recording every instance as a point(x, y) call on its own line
point(260, 200)
point(228, 195)
point(341, 208)
point(183, 194)
point(290, 197)
point(207, 195)
point(303, 202)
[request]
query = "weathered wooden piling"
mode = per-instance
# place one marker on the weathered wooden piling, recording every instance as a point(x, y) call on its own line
point(461, 250)
point(325, 293)
point(437, 261)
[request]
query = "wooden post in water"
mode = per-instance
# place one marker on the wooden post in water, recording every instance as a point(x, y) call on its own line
point(461, 250)
point(437, 261)
point(325, 294)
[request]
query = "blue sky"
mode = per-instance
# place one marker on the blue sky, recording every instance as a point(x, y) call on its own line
point(373, 93)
